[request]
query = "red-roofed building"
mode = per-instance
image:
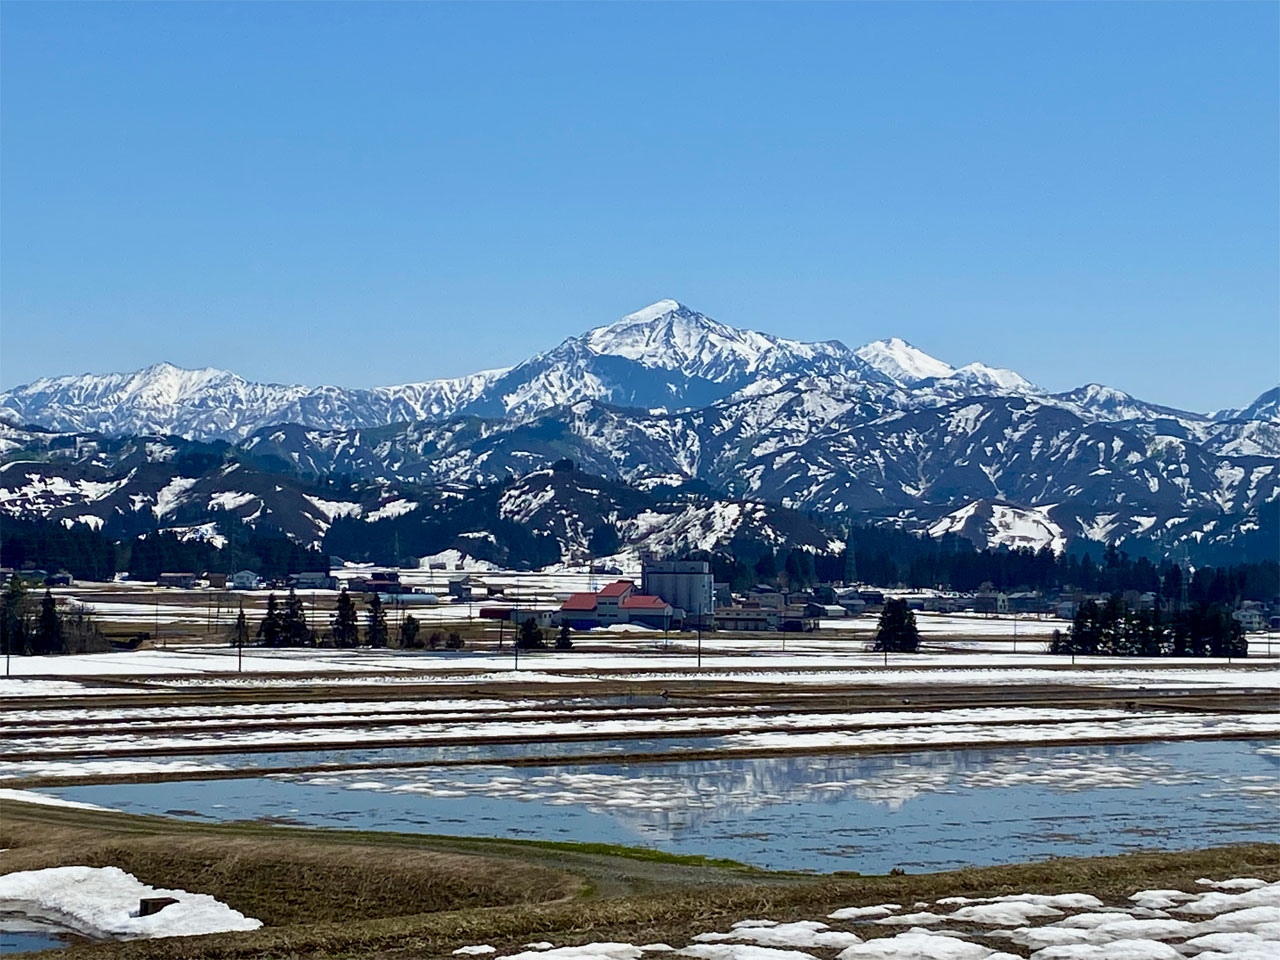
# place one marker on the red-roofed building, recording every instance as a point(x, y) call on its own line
point(617, 603)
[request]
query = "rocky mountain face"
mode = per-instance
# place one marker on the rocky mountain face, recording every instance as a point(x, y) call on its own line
point(663, 398)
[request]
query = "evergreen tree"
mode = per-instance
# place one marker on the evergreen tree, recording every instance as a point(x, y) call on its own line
point(48, 632)
point(604, 541)
point(850, 559)
point(294, 631)
point(792, 569)
point(271, 629)
point(409, 627)
point(897, 633)
point(346, 632)
point(767, 566)
point(15, 630)
point(530, 637)
point(563, 640)
point(376, 631)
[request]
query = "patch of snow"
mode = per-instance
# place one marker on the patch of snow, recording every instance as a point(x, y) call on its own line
point(102, 901)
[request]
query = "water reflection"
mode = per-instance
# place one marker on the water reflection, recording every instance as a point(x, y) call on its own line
point(931, 809)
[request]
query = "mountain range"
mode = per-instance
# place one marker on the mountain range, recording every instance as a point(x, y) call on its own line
point(666, 396)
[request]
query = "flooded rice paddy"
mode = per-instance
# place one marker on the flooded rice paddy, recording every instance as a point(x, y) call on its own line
point(923, 810)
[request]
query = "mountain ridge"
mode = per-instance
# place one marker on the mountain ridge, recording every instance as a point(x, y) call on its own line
point(665, 355)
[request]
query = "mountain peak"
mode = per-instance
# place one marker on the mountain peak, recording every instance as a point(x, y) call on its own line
point(654, 311)
point(979, 374)
point(902, 362)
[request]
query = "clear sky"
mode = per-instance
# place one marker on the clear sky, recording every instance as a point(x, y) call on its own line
point(367, 193)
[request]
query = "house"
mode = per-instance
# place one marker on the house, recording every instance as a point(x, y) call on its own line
point(216, 581)
point(59, 579)
point(1027, 602)
point(380, 581)
point(313, 580)
point(796, 620)
point(747, 616)
point(579, 611)
point(619, 602)
point(1066, 609)
point(824, 611)
point(772, 599)
point(463, 588)
point(989, 603)
point(183, 581)
point(245, 580)
point(872, 598)
point(853, 606)
point(1250, 619)
point(609, 602)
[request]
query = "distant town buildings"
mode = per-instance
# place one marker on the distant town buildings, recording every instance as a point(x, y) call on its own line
point(619, 602)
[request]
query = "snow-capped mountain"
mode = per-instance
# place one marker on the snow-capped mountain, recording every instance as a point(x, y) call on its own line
point(211, 404)
point(666, 396)
point(903, 363)
point(666, 355)
point(1266, 407)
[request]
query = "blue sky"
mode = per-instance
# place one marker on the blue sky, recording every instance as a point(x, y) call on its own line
point(368, 193)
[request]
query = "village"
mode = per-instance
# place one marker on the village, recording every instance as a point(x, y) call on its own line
point(667, 595)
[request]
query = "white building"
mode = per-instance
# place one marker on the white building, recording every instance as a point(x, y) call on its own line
point(686, 585)
point(245, 580)
point(1250, 620)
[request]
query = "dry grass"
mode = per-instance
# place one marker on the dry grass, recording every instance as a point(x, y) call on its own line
point(677, 914)
point(290, 879)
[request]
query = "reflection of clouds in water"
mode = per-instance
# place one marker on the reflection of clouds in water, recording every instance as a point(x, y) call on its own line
point(676, 797)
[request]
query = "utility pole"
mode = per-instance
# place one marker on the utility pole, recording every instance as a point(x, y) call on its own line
point(699, 633)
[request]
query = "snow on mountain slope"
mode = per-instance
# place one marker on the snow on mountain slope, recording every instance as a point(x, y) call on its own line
point(665, 355)
point(669, 335)
point(1097, 402)
point(210, 403)
point(1266, 407)
point(902, 362)
point(990, 523)
point(976, 377)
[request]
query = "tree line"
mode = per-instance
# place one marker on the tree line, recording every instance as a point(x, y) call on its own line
point(1112, 628)
point(288, 625)
point(887, 557)
point(30, 628)
point(88, 554)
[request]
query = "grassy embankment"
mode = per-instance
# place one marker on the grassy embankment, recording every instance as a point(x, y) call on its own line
point(326, 894)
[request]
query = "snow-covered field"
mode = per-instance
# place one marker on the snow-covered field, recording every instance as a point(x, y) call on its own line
point(782, 732)
point(851, 664)
point(1237, 918)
